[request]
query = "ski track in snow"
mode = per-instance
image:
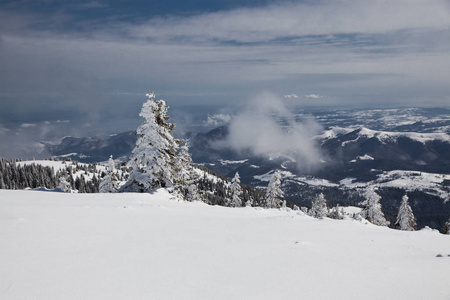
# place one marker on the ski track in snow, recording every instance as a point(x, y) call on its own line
point(147, 246)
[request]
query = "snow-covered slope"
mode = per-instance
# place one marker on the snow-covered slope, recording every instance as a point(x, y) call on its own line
point(146, 246)
point(384, 136)
point(64, 165)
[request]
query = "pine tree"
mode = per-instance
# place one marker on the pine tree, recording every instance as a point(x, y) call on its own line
point(2, 184)
point(64, 185)
point(236, 192)
point(186, 176)
point(154, 157)
point(447, 227)
point(274, 192)
point(405, 218)
point(337, 213)
point(110, 182)
point(372, 208)
point(319, 207)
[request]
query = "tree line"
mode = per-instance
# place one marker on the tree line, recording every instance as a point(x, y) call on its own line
point(15, 176)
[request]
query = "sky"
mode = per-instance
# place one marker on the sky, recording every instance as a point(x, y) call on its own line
point(83, 67)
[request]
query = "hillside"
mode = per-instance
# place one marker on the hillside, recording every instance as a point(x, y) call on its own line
point(147, 246)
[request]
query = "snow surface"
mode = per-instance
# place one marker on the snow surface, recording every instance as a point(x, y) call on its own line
point(365, 157)
point(385, 136)
point(333, 133)
point(62, 165)
point(57, 165)
point(232, 162)
point(430, 183)
point(146, 246)
point(298, 179)
point(382, 136)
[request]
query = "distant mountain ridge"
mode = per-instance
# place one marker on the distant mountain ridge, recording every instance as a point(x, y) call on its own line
point(349, 153)
point(365, 149)
point(353, 158)
point(93, 149)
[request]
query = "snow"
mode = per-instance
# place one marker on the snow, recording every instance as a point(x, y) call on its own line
point(430, 183)
point(146, 246)
point(385, 136)
point(333, 133)
point(57, 165)
point(347, 181)
point(287, 175)
point(62, 165)
point(231, 162)
point(365, 157)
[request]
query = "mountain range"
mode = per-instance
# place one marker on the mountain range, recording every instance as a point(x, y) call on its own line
point(352, 158)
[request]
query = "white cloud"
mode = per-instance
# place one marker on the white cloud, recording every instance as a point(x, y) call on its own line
point(291, 96)
point(257, 129)
point(290, 20)
point(313, 96)
point(218, 119)
point(27, 125)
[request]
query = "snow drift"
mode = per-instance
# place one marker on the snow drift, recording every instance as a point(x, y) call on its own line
point(147, 246)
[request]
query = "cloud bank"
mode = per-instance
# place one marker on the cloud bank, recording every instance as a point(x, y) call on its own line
point(75, 64)
point(268, 129)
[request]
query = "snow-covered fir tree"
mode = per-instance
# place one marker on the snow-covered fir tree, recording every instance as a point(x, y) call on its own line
point(319, 207)
point(236, 192)
point(64, 185)
point(109, 183)
point(283, 205)
point(447, 227)
point(186, 175)
point(372, 208)
point(337, 213)
point(405, 218)
point(274, 193)
point(153, 159)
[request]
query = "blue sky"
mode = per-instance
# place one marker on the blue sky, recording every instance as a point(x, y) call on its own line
point(89, 63)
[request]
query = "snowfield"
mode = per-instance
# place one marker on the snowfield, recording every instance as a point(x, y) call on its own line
point(149, 246)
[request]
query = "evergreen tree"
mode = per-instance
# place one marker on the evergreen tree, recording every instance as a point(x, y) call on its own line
point(2, 184)
point(337, 213)
point(236, 192)
point(447, 227)
point(186, 176)
point(319, 207)
point(110, 182)
point(405, 218)
point(64, 185)
point(372, 208)
point(154, 157)
point(274, 192)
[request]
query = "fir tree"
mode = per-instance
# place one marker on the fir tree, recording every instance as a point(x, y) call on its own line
point(2, 184)
point(236, 192)
point(405, 218)
point(319, 207)
point(337, 213)
point(110, 182)
point(186, 176)
point(447, 227)
point(64, 185)
point(372, 208)
point(154, 157)
point(274, 192)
